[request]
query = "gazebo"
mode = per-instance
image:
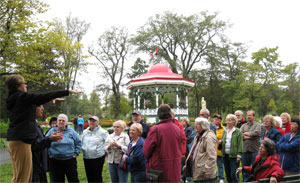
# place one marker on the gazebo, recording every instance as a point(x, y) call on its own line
point(160, 80)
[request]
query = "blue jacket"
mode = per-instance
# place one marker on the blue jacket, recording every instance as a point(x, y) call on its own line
point(136, 162)
point(80, 121)
point(272, 134)
point(68, 147)
point(289, 151)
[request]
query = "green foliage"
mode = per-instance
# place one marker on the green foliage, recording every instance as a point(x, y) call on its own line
point(6, 171)
point(272, 106)
point(182, 40)
point(3, 127)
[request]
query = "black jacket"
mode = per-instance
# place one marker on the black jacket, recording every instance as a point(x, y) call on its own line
point(21, 112)
point(39, 149)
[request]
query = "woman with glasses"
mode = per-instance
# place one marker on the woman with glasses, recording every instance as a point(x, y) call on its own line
point(21, 107)
point(116, 145)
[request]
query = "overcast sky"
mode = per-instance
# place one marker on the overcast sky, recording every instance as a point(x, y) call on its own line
point(258, 23)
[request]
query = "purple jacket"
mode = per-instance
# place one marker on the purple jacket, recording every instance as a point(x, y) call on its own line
point(168, 156)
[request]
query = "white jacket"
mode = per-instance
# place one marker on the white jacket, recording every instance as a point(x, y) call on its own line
point(93, 142)
point(115, 154)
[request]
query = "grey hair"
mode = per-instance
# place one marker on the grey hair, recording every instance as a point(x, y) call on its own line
point(203, 122)
point(206, 111)
point(232, 116)
point(278, 121)
point(62, 116)
point(239, 111)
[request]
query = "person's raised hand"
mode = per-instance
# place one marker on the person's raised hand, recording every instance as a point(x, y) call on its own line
point(75, 91)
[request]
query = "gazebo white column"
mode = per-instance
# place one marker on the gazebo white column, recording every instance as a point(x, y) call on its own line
point(156, 95)
point(139, 99)
point(186, 99)
point(134, 105)
point(177, 99)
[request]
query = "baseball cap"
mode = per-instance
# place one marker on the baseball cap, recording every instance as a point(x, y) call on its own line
point(136, 112)
point(94, 118)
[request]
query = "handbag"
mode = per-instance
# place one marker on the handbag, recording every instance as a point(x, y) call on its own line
point(123, 165)
point(220, 146)
point(154, 176)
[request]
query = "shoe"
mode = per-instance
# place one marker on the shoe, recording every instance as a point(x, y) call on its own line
point(221, 181)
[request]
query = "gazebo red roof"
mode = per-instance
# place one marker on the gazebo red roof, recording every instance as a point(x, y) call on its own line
point(160, 74)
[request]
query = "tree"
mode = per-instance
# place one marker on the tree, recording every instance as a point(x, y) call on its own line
point(72, 58)
point(182, 41)
point(95, 104)
point(140, 67)
point(113, 47)
point(272, 106)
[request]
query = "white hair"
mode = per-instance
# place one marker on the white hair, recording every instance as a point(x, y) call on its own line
point(206, 111)
point(278, 120)
point(239, 111)
point(203, 122)
point(62, 116)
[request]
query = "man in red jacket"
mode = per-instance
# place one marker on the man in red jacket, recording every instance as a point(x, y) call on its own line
point(177, 123)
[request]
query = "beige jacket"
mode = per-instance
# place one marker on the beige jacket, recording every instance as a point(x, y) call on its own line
point(205, 156)
point(114, 153)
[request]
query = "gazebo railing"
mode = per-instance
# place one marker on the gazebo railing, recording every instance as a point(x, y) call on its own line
point(153, 112)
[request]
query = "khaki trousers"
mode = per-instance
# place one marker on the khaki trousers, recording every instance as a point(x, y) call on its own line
point(21, 159)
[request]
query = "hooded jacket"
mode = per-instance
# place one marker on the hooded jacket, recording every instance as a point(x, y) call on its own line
point(205, 156)
point(162, 149)
point(21, 112)
point(289, 150)
point(271, 167)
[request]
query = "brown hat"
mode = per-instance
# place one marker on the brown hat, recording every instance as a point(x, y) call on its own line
point(218, 116)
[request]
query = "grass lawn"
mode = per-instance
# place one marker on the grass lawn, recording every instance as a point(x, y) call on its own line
point(6, 171)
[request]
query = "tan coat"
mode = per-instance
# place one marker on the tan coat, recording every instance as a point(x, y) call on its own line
point(205, 156)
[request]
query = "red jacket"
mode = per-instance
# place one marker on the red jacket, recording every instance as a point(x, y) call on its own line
point(287, 128)
point(168, 156)
point(271, 167)
point(281, 131)
point(177, 123)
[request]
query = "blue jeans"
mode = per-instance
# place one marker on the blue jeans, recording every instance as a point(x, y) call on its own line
point(220, 167)
point(117, 174)
point(80, 128)
point(230, 166)
point(248, 160)
point(137, 177)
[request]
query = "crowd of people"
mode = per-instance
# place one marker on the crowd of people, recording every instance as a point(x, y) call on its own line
point(199, 153)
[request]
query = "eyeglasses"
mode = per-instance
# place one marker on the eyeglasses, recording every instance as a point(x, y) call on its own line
point(116, 126)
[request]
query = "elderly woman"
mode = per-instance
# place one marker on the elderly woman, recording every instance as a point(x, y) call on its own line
point(266, 163)
point(203, 156)
point(232, 147)
point(116, 145)
point(278, 124)
point(93, 139)
point(63, 153)
point(163, 146)
point(21, 107)
point(288, 147)
point(270, 132)
point(286, 122)
point(188, 130)
point(135, 160)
